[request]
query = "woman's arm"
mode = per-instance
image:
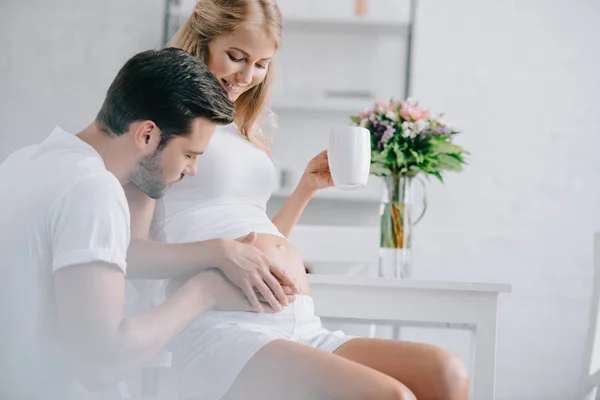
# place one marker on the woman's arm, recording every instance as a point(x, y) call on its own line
point(288, 215)
point(315, 177)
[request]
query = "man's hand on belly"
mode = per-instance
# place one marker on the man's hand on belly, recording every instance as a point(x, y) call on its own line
point(251, 270)
point(231, 299)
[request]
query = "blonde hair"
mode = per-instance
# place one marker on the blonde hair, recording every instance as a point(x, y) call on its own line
point(214, 18)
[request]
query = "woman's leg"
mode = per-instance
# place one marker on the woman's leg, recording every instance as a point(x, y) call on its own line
point(431, 373)
point(288, 370)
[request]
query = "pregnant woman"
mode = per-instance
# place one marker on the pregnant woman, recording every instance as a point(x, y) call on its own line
point(284, 353)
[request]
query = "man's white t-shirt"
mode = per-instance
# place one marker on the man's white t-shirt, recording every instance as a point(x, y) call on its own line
point(59, 207)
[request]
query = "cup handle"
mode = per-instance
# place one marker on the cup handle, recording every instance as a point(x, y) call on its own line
point(424, 201)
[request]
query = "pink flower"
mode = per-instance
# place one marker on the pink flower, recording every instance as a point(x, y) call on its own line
point(412, 112)
point(383, 107)
point(365, 114)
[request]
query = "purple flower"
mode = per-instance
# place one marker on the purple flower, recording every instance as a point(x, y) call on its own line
point(387, 135)
point(439, 130)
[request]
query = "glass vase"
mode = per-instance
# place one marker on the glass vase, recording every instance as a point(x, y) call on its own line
point(397, 226)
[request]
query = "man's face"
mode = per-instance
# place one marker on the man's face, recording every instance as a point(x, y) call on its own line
point(156, 172)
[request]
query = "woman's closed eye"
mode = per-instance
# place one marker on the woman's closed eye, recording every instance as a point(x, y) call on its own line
point(239, 60)
point(232, 58)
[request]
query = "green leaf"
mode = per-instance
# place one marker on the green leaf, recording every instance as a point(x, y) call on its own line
point(414, 170)
point(398, 149)
point(379, 156)
point(355, 119)
point(458, 158)
point(391, 158)
point(418, 157)
point(450, 163)
point(445, 147)
point(379, 169)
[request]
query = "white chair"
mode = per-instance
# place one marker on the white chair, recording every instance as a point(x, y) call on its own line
point(590, 379)
point(361, 299)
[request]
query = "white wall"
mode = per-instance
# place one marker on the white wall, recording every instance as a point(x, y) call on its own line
point(520, 78)
point(517, 77)
point(57, 58)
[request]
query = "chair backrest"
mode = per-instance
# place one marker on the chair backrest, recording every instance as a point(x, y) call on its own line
point(349, 245)
point(591, 364)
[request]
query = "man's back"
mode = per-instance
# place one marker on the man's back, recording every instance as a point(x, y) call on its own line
point(59, 204)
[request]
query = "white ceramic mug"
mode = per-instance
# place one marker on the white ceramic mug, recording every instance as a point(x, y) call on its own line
point(349, 153)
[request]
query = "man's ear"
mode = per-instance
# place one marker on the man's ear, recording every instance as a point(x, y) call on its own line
point(146, 136)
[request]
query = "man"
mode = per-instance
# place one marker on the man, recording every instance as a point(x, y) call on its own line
point(64, 230)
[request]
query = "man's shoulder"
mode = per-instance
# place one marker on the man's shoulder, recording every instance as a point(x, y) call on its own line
point(54, 162)
point(94, 186)
point(19, 156)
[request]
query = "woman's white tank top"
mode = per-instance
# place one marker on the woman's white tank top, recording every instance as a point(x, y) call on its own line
point(227, 197)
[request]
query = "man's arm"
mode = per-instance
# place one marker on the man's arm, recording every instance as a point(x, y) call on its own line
point(149, 259)
point(243, 264)
point(102, 343)
point(89, 230)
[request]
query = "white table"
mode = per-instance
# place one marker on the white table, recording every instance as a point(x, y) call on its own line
point(463, 305)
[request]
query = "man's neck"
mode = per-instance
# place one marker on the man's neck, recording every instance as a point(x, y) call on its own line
point(114, 151)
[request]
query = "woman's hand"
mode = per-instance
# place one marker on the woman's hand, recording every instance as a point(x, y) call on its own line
point(254, 273)
point(317, 175)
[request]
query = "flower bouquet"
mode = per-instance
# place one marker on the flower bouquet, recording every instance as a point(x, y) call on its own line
point(406, 140)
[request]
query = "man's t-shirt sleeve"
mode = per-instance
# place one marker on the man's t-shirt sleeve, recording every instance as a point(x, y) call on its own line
point(90, 223)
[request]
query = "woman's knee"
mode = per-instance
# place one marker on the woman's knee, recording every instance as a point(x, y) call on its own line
point(401, 392)
point(394, 390)
point(453, 377)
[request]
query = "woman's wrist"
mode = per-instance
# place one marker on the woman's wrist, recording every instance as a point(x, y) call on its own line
point(305, 189)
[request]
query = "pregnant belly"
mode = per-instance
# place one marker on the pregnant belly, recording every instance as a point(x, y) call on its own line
point(282, 254)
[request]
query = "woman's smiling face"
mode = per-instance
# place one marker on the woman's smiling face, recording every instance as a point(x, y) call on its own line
point(240, 61)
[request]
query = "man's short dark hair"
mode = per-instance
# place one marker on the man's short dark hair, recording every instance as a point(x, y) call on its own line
point(170, 88)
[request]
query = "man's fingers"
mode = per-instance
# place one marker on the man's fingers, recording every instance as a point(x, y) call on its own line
point(263, 289)
point(285, 278)
point(288, 290)
point(248, 239)
point(275, 288)
point(267, 307)
point(251, 295)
